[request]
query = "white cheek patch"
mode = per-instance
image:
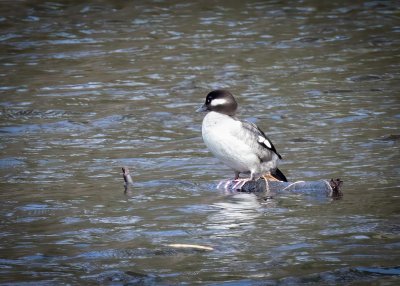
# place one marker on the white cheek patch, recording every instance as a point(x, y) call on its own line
point(264, 141)
point(218, 101)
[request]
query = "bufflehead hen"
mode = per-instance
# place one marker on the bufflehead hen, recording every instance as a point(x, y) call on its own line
point(239, 144)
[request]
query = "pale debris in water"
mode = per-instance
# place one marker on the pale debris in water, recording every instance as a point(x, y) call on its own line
point(193, 246)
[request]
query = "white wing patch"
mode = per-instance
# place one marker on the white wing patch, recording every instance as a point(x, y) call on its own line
point(264, 141)
point(218, 101)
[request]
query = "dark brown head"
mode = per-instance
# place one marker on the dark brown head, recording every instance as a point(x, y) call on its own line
point(221, 101)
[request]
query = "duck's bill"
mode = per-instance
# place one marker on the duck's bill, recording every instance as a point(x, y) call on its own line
point(203, 108)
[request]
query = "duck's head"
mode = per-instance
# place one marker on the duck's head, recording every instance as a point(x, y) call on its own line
point(221, 101)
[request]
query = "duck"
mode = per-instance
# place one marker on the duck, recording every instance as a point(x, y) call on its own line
point(239, 144)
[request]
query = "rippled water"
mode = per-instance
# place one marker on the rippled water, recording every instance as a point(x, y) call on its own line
point(88, 88)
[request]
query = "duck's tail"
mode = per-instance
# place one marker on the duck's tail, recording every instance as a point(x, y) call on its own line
point(277, 174)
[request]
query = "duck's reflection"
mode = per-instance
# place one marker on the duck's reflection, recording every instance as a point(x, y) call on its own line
point(238, 213)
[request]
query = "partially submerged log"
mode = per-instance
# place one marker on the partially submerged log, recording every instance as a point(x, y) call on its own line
point(269, 185)
point(273, 187)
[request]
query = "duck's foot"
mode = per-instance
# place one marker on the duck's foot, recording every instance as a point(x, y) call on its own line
point(269, 177)
point(239, 183)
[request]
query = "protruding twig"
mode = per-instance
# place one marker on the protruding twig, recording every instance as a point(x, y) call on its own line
point(128, 179)
point(336, 185)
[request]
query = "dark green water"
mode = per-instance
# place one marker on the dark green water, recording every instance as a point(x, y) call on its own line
point(88, 88)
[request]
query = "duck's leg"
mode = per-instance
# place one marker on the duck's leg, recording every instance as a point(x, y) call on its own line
point(252, 176)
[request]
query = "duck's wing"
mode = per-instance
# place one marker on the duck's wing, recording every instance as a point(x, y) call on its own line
point(257, 135)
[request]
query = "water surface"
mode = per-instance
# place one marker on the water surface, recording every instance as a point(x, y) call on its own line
point(87, 88)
